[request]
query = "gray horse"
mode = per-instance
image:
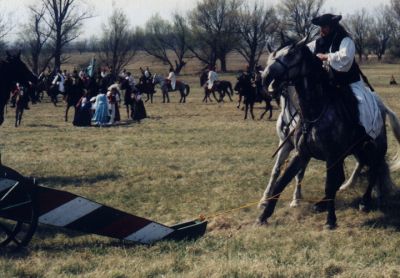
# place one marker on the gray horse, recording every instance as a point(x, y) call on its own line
point(326, 132)
point(180, 86)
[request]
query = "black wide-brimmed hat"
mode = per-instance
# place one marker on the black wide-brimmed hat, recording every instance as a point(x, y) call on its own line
point(326, 20)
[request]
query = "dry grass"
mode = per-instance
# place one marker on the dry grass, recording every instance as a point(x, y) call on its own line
point(183, 161)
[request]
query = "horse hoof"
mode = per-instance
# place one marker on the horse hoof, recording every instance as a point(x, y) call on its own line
point(330, 226)
point(260, 223)
point(294, 203)
point(320, 207)
point(364, 208)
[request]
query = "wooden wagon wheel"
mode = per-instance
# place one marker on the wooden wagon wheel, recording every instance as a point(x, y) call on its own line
point(18, 216)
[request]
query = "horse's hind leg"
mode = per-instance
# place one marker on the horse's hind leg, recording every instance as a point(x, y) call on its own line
point(365, 204)
point(251, 110)
point(297, 196)
point(229, 95)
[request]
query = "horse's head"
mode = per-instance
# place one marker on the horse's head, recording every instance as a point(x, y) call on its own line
point(18, 71)
point(14, 70)
point(155, 79)
point(203, 78)
point(287, 64)
point(244, 82)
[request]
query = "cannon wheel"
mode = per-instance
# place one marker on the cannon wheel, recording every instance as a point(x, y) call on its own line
point(16, 230)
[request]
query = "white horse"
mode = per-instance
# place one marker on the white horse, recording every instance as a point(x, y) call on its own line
point(180, 86)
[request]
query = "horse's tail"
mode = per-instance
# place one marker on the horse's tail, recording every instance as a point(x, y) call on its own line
point(395, 124)
point(187, 87)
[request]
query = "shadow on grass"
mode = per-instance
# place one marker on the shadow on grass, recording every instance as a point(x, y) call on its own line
point(60, 181)
point(390, 217)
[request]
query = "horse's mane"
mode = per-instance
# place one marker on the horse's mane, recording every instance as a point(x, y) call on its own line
point(342, 97)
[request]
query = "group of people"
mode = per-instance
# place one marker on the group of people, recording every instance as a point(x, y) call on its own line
point(97, 97)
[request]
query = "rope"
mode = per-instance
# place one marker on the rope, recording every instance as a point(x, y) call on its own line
point(203, 217)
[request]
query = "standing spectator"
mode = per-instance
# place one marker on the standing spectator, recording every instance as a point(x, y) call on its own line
point(101, 116)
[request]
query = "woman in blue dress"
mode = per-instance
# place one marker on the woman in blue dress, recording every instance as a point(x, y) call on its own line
point(101, 116)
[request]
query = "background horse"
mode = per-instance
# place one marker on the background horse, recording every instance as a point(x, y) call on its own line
point(223, 87)
point(147, 87)
point(244, 87)
point(180, 86)
point(327, 133)
point(12, 71)
point(128, 96)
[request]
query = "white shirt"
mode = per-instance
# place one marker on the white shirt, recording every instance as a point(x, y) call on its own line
point(212, 77)
point(172, 77)
point(342, 59)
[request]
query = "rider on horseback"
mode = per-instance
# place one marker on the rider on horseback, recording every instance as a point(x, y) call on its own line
point(212, 77)
point(336, 49)
point(171, 80)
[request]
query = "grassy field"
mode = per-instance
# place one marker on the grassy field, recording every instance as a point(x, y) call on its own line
point(187, 160)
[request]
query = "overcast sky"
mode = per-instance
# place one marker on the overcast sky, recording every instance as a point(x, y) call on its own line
point(139, 11)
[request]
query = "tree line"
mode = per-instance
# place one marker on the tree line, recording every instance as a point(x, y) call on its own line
point(209, 32)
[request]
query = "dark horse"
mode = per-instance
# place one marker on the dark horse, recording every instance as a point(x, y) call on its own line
point(223, 87)
point(12, 70)
point(147, 87)
point(250, 92)
point(246, 89)
point(329, 130)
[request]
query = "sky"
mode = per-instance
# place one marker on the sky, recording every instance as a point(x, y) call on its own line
point(139, 11)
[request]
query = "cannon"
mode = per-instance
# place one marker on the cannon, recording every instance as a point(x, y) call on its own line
point(24, 204)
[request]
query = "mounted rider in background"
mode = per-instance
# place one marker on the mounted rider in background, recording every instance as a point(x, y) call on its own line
point(336, 49)
point(171, 79)
point(212, 77)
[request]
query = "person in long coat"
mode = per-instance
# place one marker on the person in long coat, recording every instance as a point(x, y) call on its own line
point(83, 111)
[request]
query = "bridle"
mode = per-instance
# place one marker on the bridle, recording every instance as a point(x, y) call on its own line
point(291, 81)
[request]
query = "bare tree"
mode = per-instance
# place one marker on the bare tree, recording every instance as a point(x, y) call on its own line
point(256, 26)
point(168, 42)
point(296, 16)
point(382, 30)
point(359, 24)
point(64, 18)
point(117, 45)
point(35, 36)
point(395, 7)
point(214, 24)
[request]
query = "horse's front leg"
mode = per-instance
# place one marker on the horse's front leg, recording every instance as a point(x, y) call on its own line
point(214, 96)
point(335, 177)
point(296, 163)
point(281, 157)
